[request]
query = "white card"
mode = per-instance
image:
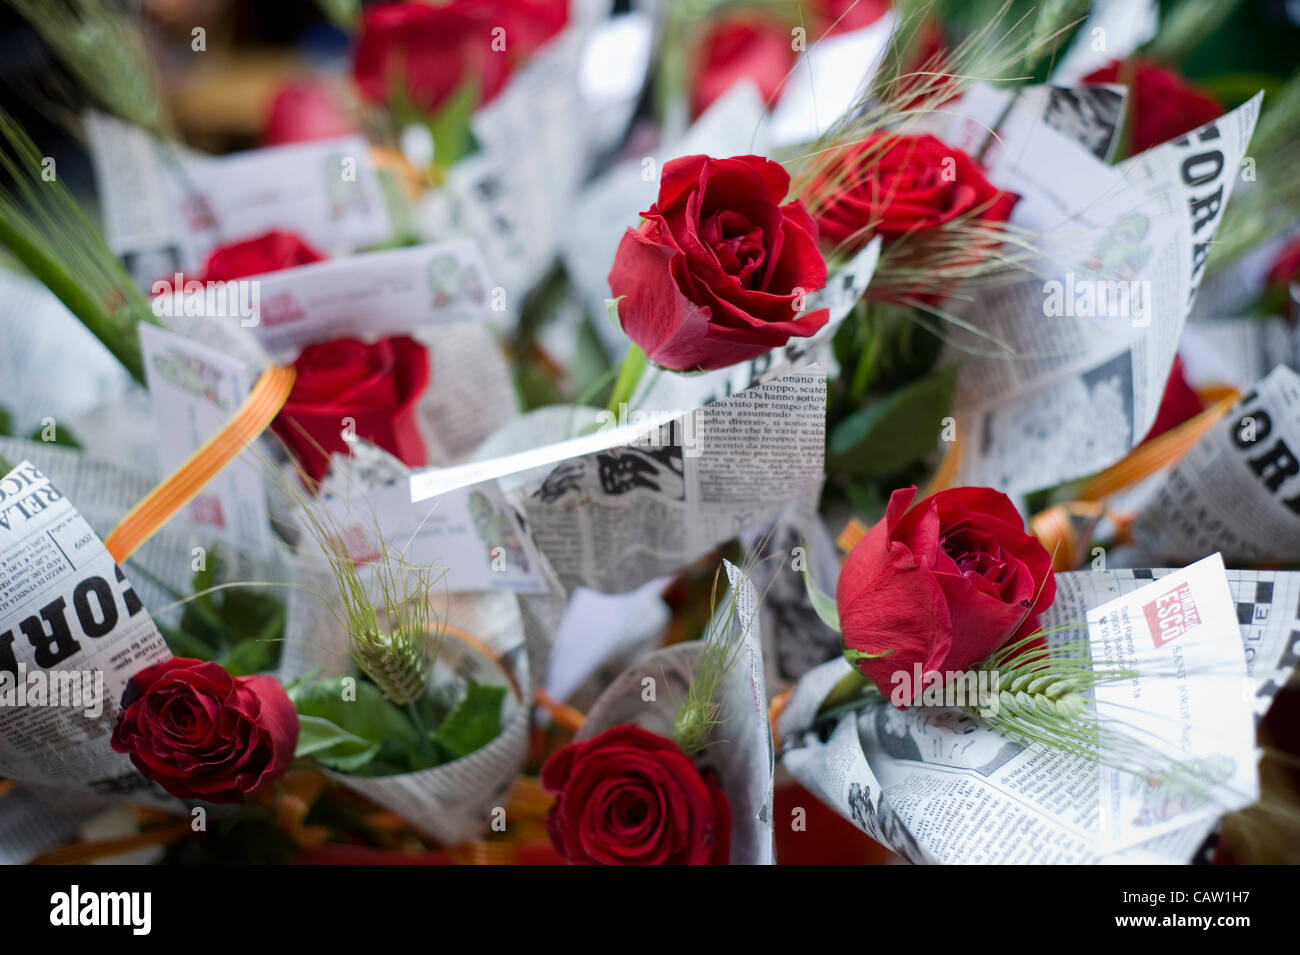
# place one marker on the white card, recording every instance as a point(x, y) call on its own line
point(1191, 701)
point(472, 534)
point(195, 390)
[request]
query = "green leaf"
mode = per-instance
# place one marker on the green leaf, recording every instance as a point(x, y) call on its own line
point(893, 432)
point(333, 746)
point(852, 686)
point(474, 722)
point(371, 717)
point(634, 365)
point(611, 310)
point(452, 137)
point(853, 656)
point(232, 619)
point(822, 602)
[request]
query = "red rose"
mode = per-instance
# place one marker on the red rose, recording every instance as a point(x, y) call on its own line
point(893, 186)
point(304, 111)
point(377, 386)
point(1179, 403)
point(716, 272)
point(428, 51)
point(269, 252)
point(734, 49)
point(1164, 105)
point(944, 585)
point(204, 734)
point(1283, 276)
point(841, 16)
point(1286, 267)
point(629, 797)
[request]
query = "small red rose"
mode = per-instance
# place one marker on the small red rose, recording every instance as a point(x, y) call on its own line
point(840, 16)
point(204, 734)
point(304, 111)
point(377, 386)
point(943, 585)
point(894, 186)
point(1165, 106)
point(269, 252)
point(718, 271)
point(630, 797)
point(425, 52)
point(1282, 283)
point(736, 49)
point(1178, 403)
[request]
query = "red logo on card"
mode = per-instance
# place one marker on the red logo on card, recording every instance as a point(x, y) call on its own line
point(1171, 615)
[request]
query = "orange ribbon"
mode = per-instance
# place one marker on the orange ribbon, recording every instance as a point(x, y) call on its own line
point(161, 504)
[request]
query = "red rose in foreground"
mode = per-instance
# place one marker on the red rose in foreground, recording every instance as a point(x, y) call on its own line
point(716, 273)
point(304, 111)
point(269, 252)
point(736, 49)
point(892, 186)
point(630, 797)
point(204, 734)
point(1165, 106)
point(427, 51)
point(944, 585)
point(377, 386)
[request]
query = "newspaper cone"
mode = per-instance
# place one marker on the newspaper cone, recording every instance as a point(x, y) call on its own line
point(72, 633)
point(739, 748)
point(455, 801)
point(935, 785)
point(1238, 489)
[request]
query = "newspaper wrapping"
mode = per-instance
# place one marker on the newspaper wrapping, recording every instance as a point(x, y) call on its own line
point(455, 801)
point(616, 508)
point(739, 748)
point(72, 633)
point(1121, 251)
point(496, 586)
point(1238, 488)
point(935, 785)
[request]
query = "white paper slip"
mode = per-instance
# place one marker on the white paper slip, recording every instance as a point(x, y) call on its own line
point(826, 82)
point(195, 391)
point(472, 534)
point(373, 295)
point(1190, 702)
point(166, 208)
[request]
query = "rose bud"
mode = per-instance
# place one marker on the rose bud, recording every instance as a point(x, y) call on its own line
point(893, 186)
point(378, 386)
point(717, 272)
point(943, 585)
point(204, 734)
point(629, 797)
point(1164, 104)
